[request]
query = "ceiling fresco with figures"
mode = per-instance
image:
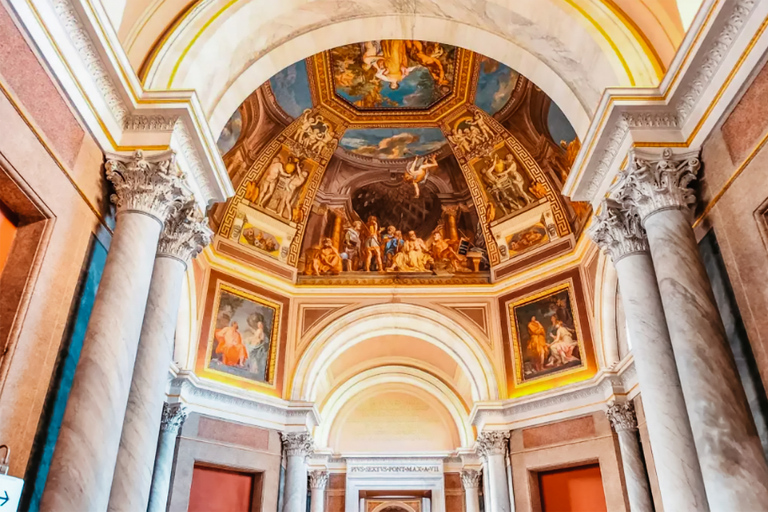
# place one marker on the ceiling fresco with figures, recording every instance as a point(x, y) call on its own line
point(397, 162)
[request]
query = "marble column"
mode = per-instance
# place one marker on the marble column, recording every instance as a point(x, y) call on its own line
point(297, 446)
point(318, 481)
point(470, 480)
point(621, 236)
point(624, 423)
point(185, 234)
point(656, 187)
point(492, 446)
point(83, 462)
point(171, 421)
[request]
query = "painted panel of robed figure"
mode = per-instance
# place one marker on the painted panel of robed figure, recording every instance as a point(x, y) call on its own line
point(244, 336)
point(546, 335)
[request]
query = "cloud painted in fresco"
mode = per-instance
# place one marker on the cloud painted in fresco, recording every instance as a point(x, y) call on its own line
point(393, 143)
point(494, 85)
point(291, 89)
point(230, 133)
point(559, 126)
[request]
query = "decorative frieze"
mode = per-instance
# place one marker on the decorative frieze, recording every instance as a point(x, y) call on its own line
point(185, 234)
point(622, 416)
point(650, 184)
point(492, 442)
point(297, 444)
point(173, 417)
point(618, 232)
point(155, 188)
point(395, 469)
point(470, 478)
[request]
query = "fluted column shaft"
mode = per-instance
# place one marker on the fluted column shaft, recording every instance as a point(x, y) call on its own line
point(681, 486)
point(493, 447)
point(83, 463)
point(624, 422)
point(184, 235)
point(730, 455)
point(297, 446)
point(318, 481)
point(173, 417)
point(470, 480)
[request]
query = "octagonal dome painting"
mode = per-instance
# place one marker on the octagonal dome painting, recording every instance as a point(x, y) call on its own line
point(393, 74)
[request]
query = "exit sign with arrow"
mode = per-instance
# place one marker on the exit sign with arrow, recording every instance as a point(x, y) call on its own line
point(10, 493)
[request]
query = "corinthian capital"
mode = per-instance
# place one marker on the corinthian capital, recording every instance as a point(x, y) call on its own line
point(297, 443)
point(318, 479)
point(151, 187)
point(185, 234)
point(492, 442)
point(470, 478)
point(618, 232)
point(651, 184)
point(173, 418)
point(622, 416)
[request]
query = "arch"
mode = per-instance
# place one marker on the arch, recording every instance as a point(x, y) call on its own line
point(375, 377)
point(394, 319)
point(606, 288)
point(559, 45)
point(395, 505)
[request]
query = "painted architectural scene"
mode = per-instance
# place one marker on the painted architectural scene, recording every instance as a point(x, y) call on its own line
point(393, 74)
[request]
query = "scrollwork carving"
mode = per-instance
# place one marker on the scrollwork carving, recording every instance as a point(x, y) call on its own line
point(492, 442)
point(297, 443)
point(618, 232)
point(185, 234)
point(622, 416)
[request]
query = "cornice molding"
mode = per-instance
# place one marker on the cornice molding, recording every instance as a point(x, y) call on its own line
point(725, 41)
point(84, 53)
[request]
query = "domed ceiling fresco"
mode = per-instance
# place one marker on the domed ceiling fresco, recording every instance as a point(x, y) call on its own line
point(397, 162)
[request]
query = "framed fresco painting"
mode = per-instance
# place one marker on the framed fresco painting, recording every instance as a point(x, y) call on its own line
point(243, 337)
point(547, 341)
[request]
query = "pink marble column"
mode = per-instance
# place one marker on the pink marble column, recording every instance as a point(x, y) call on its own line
point(656, 188)
point(83, 462)
point(185, 234)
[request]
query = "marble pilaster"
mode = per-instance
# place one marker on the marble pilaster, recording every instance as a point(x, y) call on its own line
point(318, 481)
point(624, 423)
point(172, 419)
point(470, 480)
point(492, 446)
point(297, 446)
point(730, 454)
point(83, 462)
point(185, 234)
point(620, 234)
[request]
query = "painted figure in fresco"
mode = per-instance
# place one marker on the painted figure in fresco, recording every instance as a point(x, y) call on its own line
point(563, 344)
point(479, 123)
point(326, 260)
point(258, 239)
point(443, 252)
point(393, 65)
point(373, 244)
point(418, 172)
point(352, 246)
point(257, 343)
point(414, 256)
point(293, 183)
point(393, 242)
point(230, 345)
point(428, 55)
point(268, 181)
point(537, 344)
point(518, 181)
point(458, 139)
point(502, 190)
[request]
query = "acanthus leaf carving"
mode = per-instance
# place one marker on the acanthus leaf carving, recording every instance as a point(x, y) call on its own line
point(173, 417)
point(298, 444)
point(618, 232)
point(622, 416)
point(185, 234)
point(492, 442)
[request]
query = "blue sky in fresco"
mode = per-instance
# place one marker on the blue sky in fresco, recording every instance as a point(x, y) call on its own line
point(494, 88)
point(291, 89)
point(393, 142)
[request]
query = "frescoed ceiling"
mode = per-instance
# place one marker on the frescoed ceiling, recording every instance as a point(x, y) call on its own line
point(398, 162)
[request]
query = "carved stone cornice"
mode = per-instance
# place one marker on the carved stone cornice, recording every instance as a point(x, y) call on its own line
point(617, 231)
point(155, 188)
point(622, 416)
point(297, 443)
point(318, 479)
point(173, 418)
point(185, 234)
point(470, 478)
point(652, 184)
point(493, 442)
